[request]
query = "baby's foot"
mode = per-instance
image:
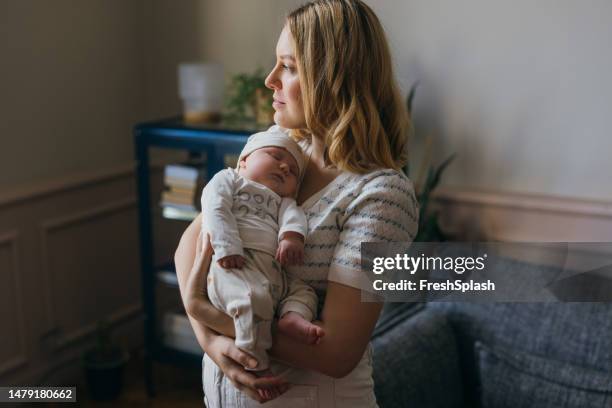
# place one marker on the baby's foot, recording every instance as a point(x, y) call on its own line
point(294, 325)
point(271, 392)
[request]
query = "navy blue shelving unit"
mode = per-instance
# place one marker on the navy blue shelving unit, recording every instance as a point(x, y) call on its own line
point(217, 141)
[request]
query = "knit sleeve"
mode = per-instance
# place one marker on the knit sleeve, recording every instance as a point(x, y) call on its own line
point(384, 210)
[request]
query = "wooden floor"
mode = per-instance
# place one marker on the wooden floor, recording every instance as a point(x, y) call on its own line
point(177, 387)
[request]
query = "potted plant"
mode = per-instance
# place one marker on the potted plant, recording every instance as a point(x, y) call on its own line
point(426, 181)
point(249, 99)
point(104, 365)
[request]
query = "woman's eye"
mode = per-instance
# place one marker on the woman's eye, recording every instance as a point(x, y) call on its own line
point(287, 68)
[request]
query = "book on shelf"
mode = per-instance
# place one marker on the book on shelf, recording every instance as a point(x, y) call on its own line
point(180, 184)
point(174, 189)
point(188, 174)
point(179, 213)
point(169, 196)
point(183, 183)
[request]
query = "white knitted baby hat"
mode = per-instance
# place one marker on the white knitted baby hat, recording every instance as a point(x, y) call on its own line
point(274, 136)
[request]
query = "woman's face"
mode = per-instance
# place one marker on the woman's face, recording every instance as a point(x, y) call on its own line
point(284, 81)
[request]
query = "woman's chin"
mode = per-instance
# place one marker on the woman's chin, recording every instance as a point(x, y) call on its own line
point(282, 120)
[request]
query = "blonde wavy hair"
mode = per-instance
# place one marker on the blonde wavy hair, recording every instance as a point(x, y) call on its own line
point(349, 92)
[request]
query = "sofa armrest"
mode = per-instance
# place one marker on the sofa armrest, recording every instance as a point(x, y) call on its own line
point(416, 363)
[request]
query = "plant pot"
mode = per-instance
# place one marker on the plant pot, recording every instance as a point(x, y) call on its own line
point(105, 374)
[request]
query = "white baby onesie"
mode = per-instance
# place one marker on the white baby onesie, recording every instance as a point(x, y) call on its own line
point(246, 218)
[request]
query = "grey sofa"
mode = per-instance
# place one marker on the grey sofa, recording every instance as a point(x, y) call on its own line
point(494, 355)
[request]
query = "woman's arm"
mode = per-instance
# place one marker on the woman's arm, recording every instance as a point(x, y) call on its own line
point(348, 323)
point(190, 260)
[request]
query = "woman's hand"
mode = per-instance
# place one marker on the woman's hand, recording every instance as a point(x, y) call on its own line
point(231, 360)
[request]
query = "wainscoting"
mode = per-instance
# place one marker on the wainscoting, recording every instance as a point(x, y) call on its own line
point(514, 217)
point(68, 258)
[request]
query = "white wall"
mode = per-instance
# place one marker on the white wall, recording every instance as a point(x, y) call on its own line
point(240, 34)
point(76, 75)
point(72, 87)
point(520, 90)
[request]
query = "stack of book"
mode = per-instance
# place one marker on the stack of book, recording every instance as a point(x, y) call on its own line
point(180, 199)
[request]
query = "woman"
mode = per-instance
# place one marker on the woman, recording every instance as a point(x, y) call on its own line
point(334, 90)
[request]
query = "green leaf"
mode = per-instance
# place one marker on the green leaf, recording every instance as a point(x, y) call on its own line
point(410, 97)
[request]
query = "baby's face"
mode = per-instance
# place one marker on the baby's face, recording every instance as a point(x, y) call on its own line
point(274, 167)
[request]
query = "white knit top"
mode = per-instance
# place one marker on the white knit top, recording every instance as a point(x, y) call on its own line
point(379, 206)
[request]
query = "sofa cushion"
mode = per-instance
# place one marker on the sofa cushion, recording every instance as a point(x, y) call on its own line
point(512, 378)
point(415, 361)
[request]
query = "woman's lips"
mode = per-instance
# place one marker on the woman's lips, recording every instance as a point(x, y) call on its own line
point(277, 104)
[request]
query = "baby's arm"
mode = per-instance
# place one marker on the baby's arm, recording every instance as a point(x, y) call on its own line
point(220, 222)
point(290, 249)
point(292, 230)
point(299, 307)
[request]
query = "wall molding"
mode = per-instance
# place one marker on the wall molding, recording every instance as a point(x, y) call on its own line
point(118, 317)
point(11, 239)
point(51, 226)
point(77, 181)
point(523, 201)
point(65, 184)
point(517, 217)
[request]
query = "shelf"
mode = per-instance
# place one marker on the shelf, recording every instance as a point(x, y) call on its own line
point(220, 143)
point(167, 274)
point(165, 354)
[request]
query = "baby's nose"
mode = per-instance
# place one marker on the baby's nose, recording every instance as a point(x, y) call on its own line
point(284, 167)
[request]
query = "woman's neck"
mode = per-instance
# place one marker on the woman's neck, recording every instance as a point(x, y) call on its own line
point(317, 175)
point(317, 153)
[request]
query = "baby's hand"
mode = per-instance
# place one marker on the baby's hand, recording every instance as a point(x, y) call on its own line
point(290, 249)
point(232, 261)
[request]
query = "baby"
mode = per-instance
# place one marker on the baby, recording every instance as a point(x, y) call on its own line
point(255, 226)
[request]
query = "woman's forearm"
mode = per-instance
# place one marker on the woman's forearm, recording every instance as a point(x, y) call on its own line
point(192, 284)
point(184, 256)
point(329, 357)
point(348, 324)
point(202, 333)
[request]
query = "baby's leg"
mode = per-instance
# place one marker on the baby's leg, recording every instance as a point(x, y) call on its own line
point(294, 325)
point(244, 294)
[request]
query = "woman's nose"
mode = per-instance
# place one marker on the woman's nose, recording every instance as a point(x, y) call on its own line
point(272, 81)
